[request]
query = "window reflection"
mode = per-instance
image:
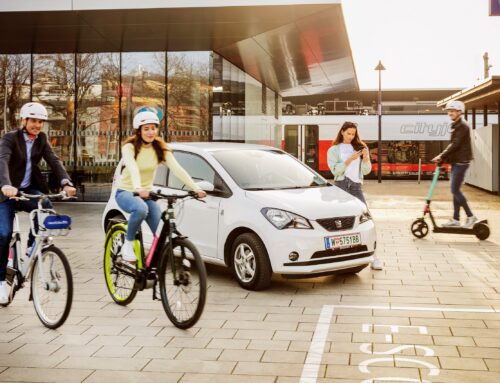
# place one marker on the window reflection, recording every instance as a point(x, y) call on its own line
point(54, 87)
point(97, 133)
point(15, 77)
point(208, 98)
point(188, 96)
point(143, 84)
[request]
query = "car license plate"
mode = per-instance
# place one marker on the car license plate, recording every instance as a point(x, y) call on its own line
point(342, 241)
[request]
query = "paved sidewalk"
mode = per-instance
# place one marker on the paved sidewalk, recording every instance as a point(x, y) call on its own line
point(433, 314)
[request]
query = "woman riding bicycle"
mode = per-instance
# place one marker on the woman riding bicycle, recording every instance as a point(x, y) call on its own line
point(142, 153)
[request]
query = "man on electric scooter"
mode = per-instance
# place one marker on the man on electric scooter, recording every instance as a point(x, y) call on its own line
point(20, 154)
point(459, 154)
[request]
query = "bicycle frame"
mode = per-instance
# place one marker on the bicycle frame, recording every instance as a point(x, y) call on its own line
point(163, 236)
point(41, 241)
point(163, 233)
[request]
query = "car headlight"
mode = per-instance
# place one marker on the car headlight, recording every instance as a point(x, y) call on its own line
point(366, 216)
point(282, 219)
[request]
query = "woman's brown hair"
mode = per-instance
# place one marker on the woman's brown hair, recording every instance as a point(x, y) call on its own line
point(159, 145)
point(356, 142)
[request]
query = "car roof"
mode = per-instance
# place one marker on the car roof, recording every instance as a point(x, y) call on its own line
point(217, 146)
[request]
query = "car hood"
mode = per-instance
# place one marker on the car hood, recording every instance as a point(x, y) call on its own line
point(311, 203)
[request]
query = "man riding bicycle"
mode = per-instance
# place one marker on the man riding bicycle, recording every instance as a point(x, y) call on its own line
point(142, 153)
point(20, 154)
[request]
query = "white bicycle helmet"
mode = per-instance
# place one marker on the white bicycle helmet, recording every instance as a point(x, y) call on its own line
point(34, 110)
point(455, 105)
point(144, 118)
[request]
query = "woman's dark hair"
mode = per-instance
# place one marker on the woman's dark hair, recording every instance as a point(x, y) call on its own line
point(159, 145)
point(356, 142)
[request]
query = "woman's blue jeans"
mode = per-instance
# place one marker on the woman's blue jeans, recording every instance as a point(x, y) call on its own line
point(139, 210)
point(351, 187)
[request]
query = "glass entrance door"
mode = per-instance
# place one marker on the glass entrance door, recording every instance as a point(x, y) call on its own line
point(292, 140)
point(311, 146)
point(301, 141)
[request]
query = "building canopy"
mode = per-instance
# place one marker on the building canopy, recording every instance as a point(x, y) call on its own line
point(293, 47)
point(484, 95)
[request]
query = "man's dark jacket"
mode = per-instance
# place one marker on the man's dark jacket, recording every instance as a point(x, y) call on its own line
point(460, 148)
point(13, 160)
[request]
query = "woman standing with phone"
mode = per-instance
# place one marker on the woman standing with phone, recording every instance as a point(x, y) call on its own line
point(349, 160)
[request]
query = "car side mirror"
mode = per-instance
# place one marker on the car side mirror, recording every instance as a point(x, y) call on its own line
point(206, 186)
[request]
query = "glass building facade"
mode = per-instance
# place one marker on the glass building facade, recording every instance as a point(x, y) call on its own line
point(92, 98)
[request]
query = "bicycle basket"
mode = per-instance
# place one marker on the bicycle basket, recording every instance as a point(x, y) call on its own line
point(56, 224)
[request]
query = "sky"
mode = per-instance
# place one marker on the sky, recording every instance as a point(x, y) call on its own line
point(422, 43)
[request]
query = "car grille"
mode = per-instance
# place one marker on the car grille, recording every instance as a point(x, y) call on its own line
point(337, 223)
point(334, 256)
point(339, 252)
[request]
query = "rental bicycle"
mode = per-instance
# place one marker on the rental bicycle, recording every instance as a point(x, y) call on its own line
point(51, 288)
point(172, 266)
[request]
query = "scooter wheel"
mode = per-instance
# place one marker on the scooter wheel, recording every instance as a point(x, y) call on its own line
point(481, 230)
point(419, 228)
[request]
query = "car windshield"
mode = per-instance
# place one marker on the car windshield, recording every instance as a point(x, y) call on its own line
point(259, 169)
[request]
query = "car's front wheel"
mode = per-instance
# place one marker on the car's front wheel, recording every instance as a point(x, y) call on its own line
point(250, 262)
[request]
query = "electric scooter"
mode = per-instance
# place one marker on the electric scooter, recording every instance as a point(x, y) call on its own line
point(420, 228)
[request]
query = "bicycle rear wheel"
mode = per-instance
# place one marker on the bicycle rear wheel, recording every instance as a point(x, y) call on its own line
point(52, 291)
point(183, 295)
point(120, 285)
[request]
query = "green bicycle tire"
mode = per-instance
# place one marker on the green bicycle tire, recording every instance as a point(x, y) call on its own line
point(113, 237)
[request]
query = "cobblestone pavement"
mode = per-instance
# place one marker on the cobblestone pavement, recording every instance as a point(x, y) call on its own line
point(433, 314)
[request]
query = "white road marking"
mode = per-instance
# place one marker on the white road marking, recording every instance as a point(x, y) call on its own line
point(396, 379)
point(315, 354)
point(366, 349)
point(394, 327)
point(363, 366)
point(417, 308)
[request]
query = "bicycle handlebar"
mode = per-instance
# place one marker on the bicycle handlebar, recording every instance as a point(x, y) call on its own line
point(157, 195)
point(26, 197)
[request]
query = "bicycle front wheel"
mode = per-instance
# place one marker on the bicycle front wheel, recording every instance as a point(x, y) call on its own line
point(183, 283)
point(120, 284)
point(52, 287)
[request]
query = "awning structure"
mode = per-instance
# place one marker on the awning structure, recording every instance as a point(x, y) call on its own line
point(294, 47)
point(486, 94)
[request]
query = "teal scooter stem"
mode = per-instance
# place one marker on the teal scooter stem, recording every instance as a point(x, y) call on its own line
point(420, 228)
point(435, 179)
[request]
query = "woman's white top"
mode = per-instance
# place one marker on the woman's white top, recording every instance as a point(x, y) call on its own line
point(352, 171)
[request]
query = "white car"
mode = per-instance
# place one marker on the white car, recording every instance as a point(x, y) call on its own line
point(265, 213)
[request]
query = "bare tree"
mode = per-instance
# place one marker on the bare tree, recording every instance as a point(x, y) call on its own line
point(14, 81)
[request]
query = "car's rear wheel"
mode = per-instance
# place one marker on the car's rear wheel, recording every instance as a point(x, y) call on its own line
point(250, 262)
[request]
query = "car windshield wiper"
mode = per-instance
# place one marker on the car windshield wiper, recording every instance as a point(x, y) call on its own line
point(292, 187)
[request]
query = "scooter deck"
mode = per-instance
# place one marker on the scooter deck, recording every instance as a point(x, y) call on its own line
point(457, 230)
